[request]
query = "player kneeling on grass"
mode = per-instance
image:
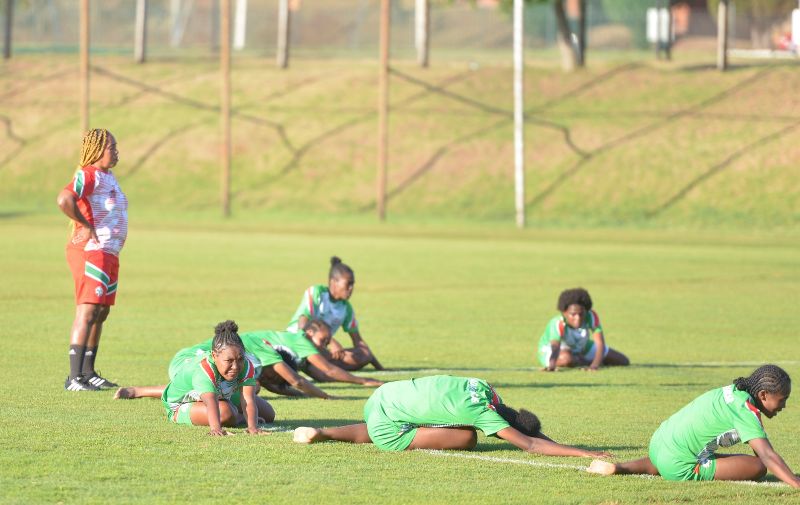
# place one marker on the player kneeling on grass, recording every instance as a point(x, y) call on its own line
point(214, 388)
point(441, 412)
point(683, 447)
point(575, 338)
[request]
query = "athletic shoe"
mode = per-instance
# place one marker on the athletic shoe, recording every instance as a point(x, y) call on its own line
point(79, 384)
point(100, 382)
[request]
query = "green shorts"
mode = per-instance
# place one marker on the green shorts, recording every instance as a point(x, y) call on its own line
point(678, 466)
point(386, 434)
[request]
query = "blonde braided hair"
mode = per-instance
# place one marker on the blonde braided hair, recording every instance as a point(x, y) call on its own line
point(94, 142)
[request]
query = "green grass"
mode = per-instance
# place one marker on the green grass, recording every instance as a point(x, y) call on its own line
point(691, 309)
point(642, 145)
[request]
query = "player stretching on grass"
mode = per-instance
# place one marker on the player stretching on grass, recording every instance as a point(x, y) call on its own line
point(441, 412)
point(683, 447)
point(304, 348)
point(212, 388)
point(575, 338)
point(332, 306)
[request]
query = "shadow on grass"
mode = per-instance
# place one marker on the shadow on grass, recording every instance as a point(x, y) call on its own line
point(13, 214)
point(487, 447)
point(291, 424)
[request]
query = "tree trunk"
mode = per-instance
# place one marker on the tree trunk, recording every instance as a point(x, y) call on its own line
point(582, 33)
point(569, 56)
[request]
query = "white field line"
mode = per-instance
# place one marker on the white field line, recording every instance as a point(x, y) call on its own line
point(493, 459)
point(425, 371)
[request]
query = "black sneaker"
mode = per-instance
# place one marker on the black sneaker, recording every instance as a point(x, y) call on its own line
point(99, 382)
point(79, 384)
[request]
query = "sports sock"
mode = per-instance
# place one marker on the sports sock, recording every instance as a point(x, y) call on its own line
point(76, 355)
point(88, 361)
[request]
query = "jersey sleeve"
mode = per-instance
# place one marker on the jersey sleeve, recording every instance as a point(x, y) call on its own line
point(490, 422)
point(747, 421)
point(266, 354)
point(83, 183)
point(554, 330)
point(594, 322)
point(248, 375)
point(309, 306)
point(203, 378)
point(303, 346)
point(350, 324)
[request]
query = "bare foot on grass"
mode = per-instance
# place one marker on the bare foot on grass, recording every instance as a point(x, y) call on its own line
point(305, 435)
point(601, 467)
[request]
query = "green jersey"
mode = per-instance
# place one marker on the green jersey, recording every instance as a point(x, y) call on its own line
point(579, 340)
point(193, 374)
point(719, 418)
point(440, 401)
point(318, 304)
point(295, 344)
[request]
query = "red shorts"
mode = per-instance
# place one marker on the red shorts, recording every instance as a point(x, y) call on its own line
point(95, 274)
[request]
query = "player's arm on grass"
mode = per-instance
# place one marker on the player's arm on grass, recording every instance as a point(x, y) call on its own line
point(299, 382)
point(250, 409)
point(325, 370)
point(284, 390)
point(555, 349)
point(544, 445)
point(773, 461)
point(599, 350)
point(212, 411)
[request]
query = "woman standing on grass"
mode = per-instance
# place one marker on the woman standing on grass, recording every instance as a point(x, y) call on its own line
point(683, 447)
point(331, 305)
point(441, 412)
point(99, 212)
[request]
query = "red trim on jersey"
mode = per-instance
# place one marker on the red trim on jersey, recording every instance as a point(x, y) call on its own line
point(251, 372)
point(266, 342)
point(310, 294)
point(596, 321)
point(206, 366)
point(495, 398)
point(561, 326)
point(353, 324)
point(754, 410)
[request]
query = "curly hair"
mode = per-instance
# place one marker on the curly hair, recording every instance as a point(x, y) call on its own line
point(576, 296)
point(523, 420)
point(339, 269)
point(769, 378)
point(226, 335)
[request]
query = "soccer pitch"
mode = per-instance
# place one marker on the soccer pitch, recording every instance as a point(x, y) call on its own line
point(692, 310)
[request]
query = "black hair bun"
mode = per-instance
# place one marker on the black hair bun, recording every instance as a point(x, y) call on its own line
point(335, 260)
point(228, 326)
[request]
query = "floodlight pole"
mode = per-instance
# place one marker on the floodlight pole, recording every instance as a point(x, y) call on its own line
point(84, 70)
point(422, 16)
point(519, 119)
point(722, 35)
point(284, 23)
point(140, 44)
point(383, 109)
point(7, 32)
point(225, 101)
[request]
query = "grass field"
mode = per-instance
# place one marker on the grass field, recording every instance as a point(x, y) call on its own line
point(692, 310)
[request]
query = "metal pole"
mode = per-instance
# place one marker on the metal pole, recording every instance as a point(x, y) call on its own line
point(140, 44)
point(225, 100)
point(383, 109)
point(284, 22)
point(7, 33)
point(722, 35)
point(423, 25)
point(84, 71)
point(519, 119)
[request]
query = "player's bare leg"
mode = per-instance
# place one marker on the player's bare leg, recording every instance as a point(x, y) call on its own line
point(739, 467)
point(637, 466)
point(228, 414)
point(615, 358)
point(460, 438)
point(353, 359)
point(132, 392)
point(353, 433)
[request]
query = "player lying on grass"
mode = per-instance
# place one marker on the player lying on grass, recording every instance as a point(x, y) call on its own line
point(216, 388)
point(575, 338)
point(683, 447)
point(332, 306)
point(303, 347)
point(278, 354)
point(441, 412)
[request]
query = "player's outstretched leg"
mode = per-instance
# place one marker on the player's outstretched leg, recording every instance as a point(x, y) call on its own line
point(637, 466)
point(739, 467)
point(615, 358)
point(353, 433)
point(132, 392)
